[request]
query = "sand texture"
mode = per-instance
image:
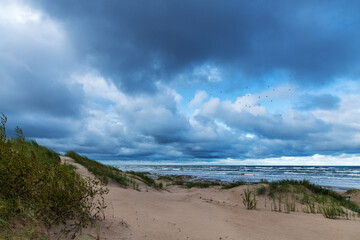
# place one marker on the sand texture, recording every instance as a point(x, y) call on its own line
point(206, 214)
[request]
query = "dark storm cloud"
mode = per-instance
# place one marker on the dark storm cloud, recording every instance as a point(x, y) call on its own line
point(139, 42)
point(324, 101)
point(58, 69)
point(40, 126)
point(31, 93)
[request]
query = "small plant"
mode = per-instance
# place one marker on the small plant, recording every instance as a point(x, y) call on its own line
point(273, 205)
point(287, 204)
point(306, 198)
point(280, 197)
point(260, 190)
point(353, 192)
point(165, 178)
point(233, 184)
point(201, 184)
point(249, 199)
point(271, 195)
point(265, 202)
point(310, 207)
point(331, 210)
point(264, 181)
point(293, 202)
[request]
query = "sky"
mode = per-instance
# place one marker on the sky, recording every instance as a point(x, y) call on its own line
point(227, 82)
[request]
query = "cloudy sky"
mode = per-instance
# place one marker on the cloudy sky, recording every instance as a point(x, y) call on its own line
point(185, 81)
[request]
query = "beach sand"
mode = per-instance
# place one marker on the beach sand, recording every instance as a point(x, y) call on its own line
point(205, 214)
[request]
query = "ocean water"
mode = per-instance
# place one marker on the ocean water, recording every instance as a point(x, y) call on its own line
point(336, 177)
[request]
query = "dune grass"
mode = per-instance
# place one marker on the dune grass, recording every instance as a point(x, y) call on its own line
point(201, 184)
point(249, 199)
point(101, 171)
point(146, 179)
point(36, 189)
point(312, 194)
point(233, 184)
point(165, 178)
point(353, 192)
point(104, 172)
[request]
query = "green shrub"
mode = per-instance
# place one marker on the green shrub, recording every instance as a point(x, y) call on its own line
point(35, 185)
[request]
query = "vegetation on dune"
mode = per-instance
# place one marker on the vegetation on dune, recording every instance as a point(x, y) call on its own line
point(101, 171)
point(353, 192)
point(201, 184)
point(249, 199)
point(36, 190)
point(233, 184)
point(311, 194)
point(104, 172)
point(165, 178)
point(144, 178)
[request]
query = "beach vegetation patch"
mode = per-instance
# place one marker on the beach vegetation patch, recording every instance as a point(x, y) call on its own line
point(260, 190)
point(233, 184)
point(201, 184)
point(313, 198)
point(249, 199)
point(36, 189)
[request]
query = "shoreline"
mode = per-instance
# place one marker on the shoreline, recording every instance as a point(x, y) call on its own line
point(337, 178)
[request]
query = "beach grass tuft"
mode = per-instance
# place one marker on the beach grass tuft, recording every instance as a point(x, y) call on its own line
point(312, 194)
point(201, 184)
point(249, 199)
point(332, 210)
point(233, 184)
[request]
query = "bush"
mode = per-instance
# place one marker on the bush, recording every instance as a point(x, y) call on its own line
point(34, 184)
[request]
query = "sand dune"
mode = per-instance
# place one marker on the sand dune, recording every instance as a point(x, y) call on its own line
point(205, 214)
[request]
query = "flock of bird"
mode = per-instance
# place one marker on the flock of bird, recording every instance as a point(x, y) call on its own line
point(259, 97)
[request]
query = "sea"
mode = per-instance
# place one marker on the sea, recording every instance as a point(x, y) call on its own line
point(338, 178)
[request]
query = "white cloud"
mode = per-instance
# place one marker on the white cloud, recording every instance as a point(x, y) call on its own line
point(210, 72)
point(11, 12)
point(199, 97)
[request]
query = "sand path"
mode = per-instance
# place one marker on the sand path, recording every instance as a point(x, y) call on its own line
point(206, 214)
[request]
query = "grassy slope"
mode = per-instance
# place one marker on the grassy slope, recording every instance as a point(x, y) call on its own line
point(38, 192)
point(104, 172)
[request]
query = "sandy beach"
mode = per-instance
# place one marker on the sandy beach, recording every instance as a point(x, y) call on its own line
point(204, 214)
